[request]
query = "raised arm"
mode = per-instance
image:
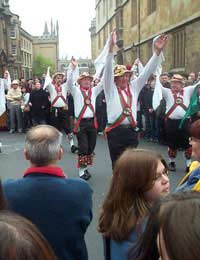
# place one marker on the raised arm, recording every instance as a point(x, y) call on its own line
point(108, 76)
point(48, 80)
point(150, 67)
point(98, 88)
point(72, 75)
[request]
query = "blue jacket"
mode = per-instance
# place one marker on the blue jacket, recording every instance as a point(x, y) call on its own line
point(191, 181)
point(120, 250)
point(60, 207)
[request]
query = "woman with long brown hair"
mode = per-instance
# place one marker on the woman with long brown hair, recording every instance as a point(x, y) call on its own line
point(139, 178)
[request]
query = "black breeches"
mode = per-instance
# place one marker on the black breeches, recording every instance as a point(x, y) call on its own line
point(86, 137)
point(176, 137)
point(119, 139)
point(59, 118)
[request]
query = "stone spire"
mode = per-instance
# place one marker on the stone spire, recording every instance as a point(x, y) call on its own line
point(54, 31)
point(51, 26)
point(57, 28)
point(46, 32)
point(6, 3)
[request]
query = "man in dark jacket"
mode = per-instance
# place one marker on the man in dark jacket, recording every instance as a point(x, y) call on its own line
point(60, 207)
point(39, 105)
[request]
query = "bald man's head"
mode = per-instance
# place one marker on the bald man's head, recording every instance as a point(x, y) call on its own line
point(42, 145)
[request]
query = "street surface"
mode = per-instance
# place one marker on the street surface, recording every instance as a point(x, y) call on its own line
point(13, 165)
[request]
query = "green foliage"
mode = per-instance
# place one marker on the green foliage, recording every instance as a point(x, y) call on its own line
point(41, 64)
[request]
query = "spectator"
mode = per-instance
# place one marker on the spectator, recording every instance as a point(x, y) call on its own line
point(59, 206)
point(192, 78)
point(20, 239)
point(14, 97)
point(39, 104)
point(191, 180)
point(139, 178)
point(172, 230)
point(26, 117)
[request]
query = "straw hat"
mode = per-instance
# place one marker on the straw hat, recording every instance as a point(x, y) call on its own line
point(177, 78)
point(83, 76)
point(120, 70)
point(58, 73)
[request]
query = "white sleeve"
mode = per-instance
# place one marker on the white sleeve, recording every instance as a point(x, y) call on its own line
point(108, 76)
point(150, 67)
point(71, 82)
point(157, 94)
point(48, 79)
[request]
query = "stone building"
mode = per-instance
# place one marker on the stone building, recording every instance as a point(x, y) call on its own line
point(18, 48)
point(47, 45)
point(139, 21)
point(6, 25)
point(26, 44)
point(85, 65)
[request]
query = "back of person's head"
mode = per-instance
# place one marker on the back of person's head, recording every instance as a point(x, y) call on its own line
point(134, 174)
point(179, 219)
point(21, 240)
point(172, 231)
point(43, 145)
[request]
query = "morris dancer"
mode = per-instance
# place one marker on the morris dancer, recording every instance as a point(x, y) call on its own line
point(85, 117)
point(59, 116)
point(122, 96)
point(177, 101)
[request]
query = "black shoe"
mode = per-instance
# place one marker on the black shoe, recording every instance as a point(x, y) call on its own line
point(172, 166)
point(74, 149)
point(88, 173)
point(86, 176)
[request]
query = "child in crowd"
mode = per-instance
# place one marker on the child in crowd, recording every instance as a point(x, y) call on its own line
point(139, 178)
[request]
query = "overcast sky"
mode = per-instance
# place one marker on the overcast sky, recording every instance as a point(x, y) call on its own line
point(74, 19)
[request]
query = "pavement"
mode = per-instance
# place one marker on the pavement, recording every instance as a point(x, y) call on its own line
point(13, 164)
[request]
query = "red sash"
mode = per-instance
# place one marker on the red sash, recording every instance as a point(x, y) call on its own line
point(59, 95)
point(87, 103)
point(178, 101)
point(126, 111)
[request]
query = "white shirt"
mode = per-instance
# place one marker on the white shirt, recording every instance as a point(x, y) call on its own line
point(53, 94)
point(179, 112)
point(79, 99)
point(25, 98)
point(2, 97)
point(114, 108)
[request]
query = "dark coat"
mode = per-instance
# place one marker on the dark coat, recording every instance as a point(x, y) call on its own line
point(40, 104)
point(60, 207)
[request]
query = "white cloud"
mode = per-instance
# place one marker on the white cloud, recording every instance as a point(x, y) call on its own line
point(74, 19)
